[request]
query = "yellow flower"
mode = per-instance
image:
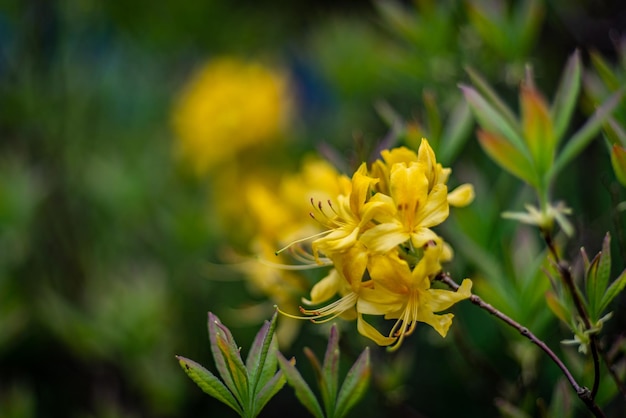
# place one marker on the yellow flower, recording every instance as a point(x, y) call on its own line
point(228, 106)
point(404, 294)
point(384, 254)
point(413, 210)
point(350, 218)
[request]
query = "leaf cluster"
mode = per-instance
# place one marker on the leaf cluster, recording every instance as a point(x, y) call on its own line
point(246, 388)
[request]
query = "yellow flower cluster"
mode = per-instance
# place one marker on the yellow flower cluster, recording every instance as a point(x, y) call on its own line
point(228, 106)
point(378, 238)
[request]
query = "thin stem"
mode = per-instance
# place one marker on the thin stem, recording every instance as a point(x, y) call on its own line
point(566, 276)
point(583, 393)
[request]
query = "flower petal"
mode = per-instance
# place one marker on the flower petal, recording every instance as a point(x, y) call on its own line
point(325, 289)
point(384, 237)
point(441, 323)
point(442, 299)
point(436, 209)
point(461, 196)
point(372, 333)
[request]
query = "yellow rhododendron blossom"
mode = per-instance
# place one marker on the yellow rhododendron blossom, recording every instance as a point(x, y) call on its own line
point(413, 210)
point(403, 293)
point(350, 218)
point(379, 239)
point(228, 106)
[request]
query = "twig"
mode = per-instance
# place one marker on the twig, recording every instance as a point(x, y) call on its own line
point(583, 393)
point(566, 276)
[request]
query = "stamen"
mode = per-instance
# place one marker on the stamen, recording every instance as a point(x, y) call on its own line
point(282, 266)
point(326, 313)
point(301, 240)
point(405, 325)
point(288, 315)
point(300, 254)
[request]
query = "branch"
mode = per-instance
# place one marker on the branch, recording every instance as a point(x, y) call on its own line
point(583, 393)
point(566, 276)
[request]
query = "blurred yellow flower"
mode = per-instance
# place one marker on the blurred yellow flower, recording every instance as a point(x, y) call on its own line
point(277, 210)
point(229, 105)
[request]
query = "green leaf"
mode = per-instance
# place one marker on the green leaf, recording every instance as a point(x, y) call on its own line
point(614, 289)
point(433, 117)
point(566, 96)
point(229, 357)
point(317, 366)
point(618, 161)
point(614, 132)
point(303, 391)
point(397, 17)
point(330, 372)
point(604, 272)
point(209, 384)
point(585, 134)
point(529, 18)
point(354, 385)
point(557, 307)
point(268, 391)
point(611, 81)
point(492, 120)
point(585, 257)
point(218, 357)
point(491, 96)
point(507, 156)
point(455, 133)
point(537, 127)
point(489, 21)
point(591, 285)
point(261, 361)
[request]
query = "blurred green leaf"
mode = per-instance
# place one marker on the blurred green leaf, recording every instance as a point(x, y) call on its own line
point(566, 96)
point(585, 134)
point(491, 96)
point(508, 410)
point(615, 132)
point(455, 132)
point(606, 74)
point(559, 308)
point(491, 119)
point(561, 403)
point(537, 127)
point(618, 161)
point(507, 156)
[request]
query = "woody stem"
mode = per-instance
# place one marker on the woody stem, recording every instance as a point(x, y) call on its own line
point(583, 393)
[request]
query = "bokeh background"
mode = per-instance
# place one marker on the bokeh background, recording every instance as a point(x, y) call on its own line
point(118, 222)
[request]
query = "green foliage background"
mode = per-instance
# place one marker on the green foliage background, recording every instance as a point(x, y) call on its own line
point(105, 244)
